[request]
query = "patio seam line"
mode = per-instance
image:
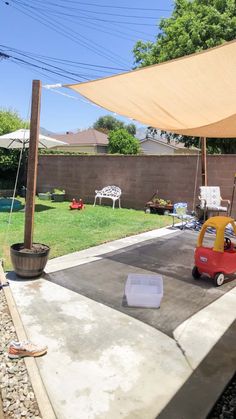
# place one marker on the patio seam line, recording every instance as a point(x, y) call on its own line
point(184, 353)
point(213, 308)
point(39, 389)
point(98, 251)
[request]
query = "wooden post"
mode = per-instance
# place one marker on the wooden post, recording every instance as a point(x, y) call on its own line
point(204, 161)
point(32, 164)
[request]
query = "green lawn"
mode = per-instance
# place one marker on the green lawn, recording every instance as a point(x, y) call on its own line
point(67, 231)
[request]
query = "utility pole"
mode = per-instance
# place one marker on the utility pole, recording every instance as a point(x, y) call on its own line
point(204, 161)
point(32, 163)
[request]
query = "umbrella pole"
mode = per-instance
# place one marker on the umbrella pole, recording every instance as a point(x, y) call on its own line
point(32, 163)
point(24, 168)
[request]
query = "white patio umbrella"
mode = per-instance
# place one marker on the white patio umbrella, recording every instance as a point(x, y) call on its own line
point(21, 138)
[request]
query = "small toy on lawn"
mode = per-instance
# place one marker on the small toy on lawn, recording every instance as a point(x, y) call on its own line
point(220, 260)
point(77, 204)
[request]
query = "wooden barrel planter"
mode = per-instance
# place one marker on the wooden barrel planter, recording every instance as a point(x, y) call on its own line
point(29, 263)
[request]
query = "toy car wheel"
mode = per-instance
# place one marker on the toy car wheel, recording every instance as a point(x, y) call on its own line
point(195, 273)
point(219, 279)
point(147, 211)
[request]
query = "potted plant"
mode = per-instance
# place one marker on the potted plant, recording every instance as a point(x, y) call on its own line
point(58, 195)
point(29, 263)
point(45, 196)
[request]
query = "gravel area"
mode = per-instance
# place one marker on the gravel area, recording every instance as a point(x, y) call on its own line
point(225, 407)
point(17, 395)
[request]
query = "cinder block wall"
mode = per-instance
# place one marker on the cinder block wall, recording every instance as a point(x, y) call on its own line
point(138, 176)
point(6, 192)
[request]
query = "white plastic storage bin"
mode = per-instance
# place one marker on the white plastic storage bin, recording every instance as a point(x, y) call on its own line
point(144, 290)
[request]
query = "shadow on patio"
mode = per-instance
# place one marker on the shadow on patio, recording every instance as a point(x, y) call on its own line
point(104, 280)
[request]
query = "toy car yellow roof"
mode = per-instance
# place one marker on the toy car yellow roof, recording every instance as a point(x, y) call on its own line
point(219, 223)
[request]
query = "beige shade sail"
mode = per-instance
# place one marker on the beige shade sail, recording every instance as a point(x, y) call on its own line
point(194, 95)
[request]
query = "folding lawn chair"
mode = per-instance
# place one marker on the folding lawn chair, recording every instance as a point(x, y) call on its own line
point(180, 212)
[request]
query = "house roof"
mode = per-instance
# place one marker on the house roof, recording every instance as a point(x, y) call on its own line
point(172, 144)
point(87, 137)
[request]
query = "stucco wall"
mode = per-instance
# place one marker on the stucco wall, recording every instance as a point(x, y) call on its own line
point(138, 176)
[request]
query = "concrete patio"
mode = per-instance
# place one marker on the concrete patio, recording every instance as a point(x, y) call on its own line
point(106, 360)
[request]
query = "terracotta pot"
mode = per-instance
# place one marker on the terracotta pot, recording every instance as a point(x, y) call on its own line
point(29, 263)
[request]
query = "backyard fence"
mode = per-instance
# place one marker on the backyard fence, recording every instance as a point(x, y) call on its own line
point(139, 177)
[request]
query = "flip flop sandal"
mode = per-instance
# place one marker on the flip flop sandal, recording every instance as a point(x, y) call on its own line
point(4, 285)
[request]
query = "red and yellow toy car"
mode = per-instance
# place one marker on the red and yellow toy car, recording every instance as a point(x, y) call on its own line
point(220, 260)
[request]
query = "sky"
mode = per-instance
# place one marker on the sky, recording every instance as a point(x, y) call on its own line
point(101, 33)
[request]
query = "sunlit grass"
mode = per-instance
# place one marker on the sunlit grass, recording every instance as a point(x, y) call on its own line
point(67, 231)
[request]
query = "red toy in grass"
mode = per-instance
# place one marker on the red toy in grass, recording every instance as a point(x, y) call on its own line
point(77, 204)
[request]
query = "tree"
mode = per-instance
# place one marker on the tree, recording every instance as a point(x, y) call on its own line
point(120, 141)
point(193, 26)
point(9, 121)
point(131, 128)
point(109, 123)
point(154, 133)
point(214, 145)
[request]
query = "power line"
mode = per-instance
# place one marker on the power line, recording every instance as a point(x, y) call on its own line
point(82, 16)
point(99, 27)
point(46, 66)
point(25, 67)
point(116, 7)
point(52, 69)
point(66, 33)
point(102, 20)
point(39, 67)
point(49, 3)
point(118, 23)
point(61, 60)
point(117, 33)
point(63, 30)
point(40, 16)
